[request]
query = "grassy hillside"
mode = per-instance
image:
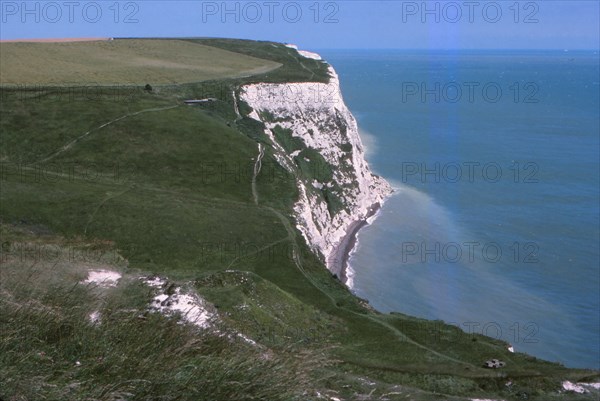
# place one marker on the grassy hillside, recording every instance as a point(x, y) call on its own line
point(126, 62)
point(52, 350)
point(168, 188)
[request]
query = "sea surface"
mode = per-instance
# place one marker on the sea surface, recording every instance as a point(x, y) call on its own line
point(494, 225)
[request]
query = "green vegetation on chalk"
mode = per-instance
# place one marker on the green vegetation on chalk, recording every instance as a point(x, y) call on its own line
point(289, 143)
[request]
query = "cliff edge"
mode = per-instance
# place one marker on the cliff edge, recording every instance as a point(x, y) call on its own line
point(316, 138)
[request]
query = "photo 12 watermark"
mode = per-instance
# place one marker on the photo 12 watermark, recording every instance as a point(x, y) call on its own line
point(276, 334)
point(57, 172)
point(316, 93)
point(469, 92)
point(232, 252)
point(70, 93)
point(71, 12)
point(490, 172)
point(469, 252)
point(454, 12)
point(211, 173)
point(512, 332)
point(32, 252)
point(253, 12)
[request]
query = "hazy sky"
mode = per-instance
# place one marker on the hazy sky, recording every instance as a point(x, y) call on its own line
point(319, 25)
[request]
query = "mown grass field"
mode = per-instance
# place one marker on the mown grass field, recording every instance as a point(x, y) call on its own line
point(123, 62)
point(168, 187)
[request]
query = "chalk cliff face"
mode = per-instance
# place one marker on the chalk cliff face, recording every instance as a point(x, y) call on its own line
point(312, 131)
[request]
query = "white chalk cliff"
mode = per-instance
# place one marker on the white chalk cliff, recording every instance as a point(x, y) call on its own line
point(316, 113)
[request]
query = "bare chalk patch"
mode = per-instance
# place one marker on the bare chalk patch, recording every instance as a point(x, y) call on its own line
point(173, 301)
point(310, 55)
point(103, 278)
point(95, 318)
point(580, 388)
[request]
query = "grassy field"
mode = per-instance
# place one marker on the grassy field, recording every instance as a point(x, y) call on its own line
point(295, 68)
point(168, 188)
point(123, 62)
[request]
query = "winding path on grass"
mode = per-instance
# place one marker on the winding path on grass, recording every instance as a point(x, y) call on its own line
point(74, 141)
point(109, 197)
point(298, 262)
point(292, 55)
point(257, 167)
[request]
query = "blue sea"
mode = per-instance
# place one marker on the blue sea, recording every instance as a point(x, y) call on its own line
point(494, 225)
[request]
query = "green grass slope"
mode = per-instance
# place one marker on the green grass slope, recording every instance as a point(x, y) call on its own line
point(168, 188)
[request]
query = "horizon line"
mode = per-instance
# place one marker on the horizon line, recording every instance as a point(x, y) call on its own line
point(106, 38)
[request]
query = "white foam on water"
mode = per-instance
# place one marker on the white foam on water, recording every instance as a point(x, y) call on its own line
point(369, 141)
